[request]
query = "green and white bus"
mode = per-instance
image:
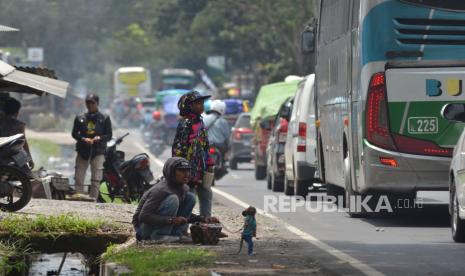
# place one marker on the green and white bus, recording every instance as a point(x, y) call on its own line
point(384, 70)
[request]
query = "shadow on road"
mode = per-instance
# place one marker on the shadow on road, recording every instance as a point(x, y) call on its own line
point(404, 258)
point(427, 216)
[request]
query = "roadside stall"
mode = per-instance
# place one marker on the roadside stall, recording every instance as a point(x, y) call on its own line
point(36, 81)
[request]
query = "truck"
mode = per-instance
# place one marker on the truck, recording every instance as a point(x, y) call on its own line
point(384, 71)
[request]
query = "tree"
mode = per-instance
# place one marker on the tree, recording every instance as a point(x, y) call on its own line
point(84, 38)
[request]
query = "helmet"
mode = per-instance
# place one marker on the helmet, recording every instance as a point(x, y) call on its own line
point(218, 106)
point(156, 115)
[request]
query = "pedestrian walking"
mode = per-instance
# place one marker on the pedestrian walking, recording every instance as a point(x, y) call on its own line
point(91, 130)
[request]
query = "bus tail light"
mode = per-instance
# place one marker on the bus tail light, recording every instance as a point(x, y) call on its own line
point(376, 121)
point(377, 125)
point(418, 146)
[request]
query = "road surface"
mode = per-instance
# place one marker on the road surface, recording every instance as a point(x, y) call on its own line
point(417, 242)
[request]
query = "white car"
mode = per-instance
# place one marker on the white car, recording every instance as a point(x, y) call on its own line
point(300, 148)
point(456, 112)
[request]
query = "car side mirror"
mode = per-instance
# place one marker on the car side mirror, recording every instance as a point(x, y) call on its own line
point(307, 41)
point(454, 112)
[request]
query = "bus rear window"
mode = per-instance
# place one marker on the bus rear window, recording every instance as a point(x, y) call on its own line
point(456, 5)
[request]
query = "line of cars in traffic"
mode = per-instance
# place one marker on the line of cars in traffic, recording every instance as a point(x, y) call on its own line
point(286, 138)
point(387, 107)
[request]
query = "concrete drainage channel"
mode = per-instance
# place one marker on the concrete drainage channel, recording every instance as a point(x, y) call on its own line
point(70, 264)
point(63, 254)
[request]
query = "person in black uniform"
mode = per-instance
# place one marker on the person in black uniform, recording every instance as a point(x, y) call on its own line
point(91, 130)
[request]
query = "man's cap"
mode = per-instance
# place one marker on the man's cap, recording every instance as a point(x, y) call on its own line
point(183, 164)
point(186, 99)
point(91, 97)
point(195, 96)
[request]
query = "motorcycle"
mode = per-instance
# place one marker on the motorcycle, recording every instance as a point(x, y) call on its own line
point(155, 138)
point(126, 180)
point(220, 165)
point(15, 174)
point(157, 144)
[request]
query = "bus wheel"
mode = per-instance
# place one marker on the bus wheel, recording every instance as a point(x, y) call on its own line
point(353, 209)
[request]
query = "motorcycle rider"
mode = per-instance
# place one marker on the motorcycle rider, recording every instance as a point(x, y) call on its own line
point(157, 123)
point(218, 128)
point(91, 130)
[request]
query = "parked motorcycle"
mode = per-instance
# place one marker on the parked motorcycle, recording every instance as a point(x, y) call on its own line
point(126, 180)
point(220, 165)
point(15, 186)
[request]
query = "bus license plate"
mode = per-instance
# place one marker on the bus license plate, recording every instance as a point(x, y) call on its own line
point(423, 125)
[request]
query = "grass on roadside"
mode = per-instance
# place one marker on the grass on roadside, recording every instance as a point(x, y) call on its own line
point(22, 226)
point(12, 258)
point(106, 196)
point(159, 261)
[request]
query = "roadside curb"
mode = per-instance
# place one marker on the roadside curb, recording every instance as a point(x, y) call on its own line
point(113, 269)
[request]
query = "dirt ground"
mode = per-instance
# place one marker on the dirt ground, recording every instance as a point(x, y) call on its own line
point(277, 252)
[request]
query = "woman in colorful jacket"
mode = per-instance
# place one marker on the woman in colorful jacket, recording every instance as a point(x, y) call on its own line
point(191, 142)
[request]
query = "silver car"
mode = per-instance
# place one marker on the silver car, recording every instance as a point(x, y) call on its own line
point(456, 112)
point(240, 141)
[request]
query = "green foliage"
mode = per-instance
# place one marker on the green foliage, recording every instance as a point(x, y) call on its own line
point(45, 147)
point(22, 226)
point(12, 258)
point(158, 261)
point(42, 150)
point(83, 38)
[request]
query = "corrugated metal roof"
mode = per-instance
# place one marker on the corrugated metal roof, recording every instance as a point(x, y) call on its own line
point(4, 28)
point(37, 81)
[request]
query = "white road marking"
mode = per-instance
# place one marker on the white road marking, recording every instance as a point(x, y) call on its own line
point(362, 267)
point(235, 176)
